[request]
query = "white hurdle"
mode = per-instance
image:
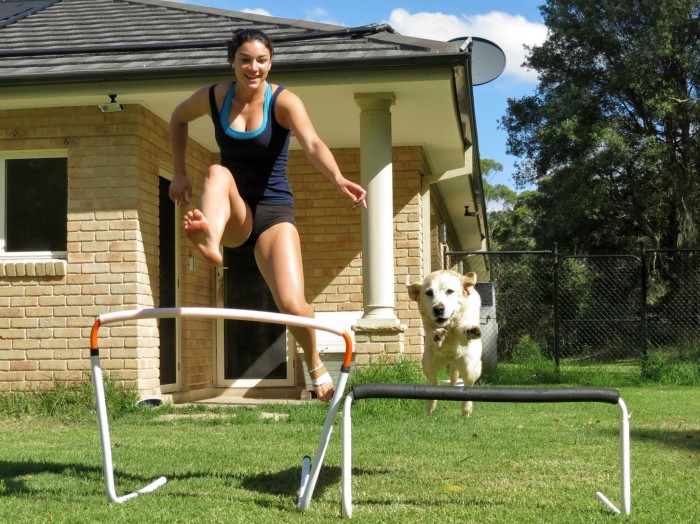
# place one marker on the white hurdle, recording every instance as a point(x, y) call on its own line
point(484, 394)
point(310, 470)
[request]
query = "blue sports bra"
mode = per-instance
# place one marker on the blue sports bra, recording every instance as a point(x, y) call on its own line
point(257, 159)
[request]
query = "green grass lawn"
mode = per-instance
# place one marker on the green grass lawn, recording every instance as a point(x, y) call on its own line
point(510, 463)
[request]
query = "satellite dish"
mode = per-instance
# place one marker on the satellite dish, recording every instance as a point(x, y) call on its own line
point(488, 60)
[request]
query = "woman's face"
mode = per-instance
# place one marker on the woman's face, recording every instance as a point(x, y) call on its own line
point(252, 63)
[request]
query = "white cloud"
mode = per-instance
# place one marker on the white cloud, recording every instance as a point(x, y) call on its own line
point(318, 14)
point(313, 14)
point(508, 31)
point(256, 11)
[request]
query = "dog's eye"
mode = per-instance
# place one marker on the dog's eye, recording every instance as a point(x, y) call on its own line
point(450, 291)
point(429, 292)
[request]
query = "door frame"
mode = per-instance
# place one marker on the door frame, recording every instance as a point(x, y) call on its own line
point(174, 387)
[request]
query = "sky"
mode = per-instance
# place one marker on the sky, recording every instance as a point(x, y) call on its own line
point(510, 24)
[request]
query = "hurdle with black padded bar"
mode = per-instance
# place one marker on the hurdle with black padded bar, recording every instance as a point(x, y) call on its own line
point(487, 394)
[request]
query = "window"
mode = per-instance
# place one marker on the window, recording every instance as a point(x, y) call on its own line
point(33, 206)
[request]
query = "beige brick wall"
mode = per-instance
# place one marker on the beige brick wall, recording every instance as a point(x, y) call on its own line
point(409, 165)
point(112, 250)
point(47, 310)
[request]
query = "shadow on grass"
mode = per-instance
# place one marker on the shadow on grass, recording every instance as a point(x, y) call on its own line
point(287, 482)
point(677, 438)
point(14, 475)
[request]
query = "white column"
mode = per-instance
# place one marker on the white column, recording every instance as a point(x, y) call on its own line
point(378, 221)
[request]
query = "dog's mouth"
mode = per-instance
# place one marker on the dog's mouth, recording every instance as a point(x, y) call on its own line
point(440, 321)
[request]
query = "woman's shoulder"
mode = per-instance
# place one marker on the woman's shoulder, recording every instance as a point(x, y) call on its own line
point(284, 95)
point(289, 108)
point(221, 89)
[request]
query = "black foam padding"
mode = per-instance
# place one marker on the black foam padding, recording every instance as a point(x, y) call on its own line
point(484, 394)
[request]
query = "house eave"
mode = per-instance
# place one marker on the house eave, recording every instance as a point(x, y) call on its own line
point(356, 65)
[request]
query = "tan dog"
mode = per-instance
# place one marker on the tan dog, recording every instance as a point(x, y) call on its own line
point(449, 307)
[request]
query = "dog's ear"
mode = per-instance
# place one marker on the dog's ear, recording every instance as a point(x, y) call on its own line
point(468, 281)
point(413, 290)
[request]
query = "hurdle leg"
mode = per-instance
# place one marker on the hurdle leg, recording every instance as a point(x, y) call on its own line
point(309, 484)
point(625, 460)
point(346, 463)
point(105, 441)
point(625, 467)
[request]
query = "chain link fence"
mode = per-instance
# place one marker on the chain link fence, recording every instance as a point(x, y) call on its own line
point(589, 308)
point(673, 300)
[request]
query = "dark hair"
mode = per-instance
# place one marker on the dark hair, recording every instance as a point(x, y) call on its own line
point(241, 36)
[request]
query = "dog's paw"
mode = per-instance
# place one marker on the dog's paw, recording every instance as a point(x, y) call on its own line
point(473, 332)
point(467, 408)
point(439, 335)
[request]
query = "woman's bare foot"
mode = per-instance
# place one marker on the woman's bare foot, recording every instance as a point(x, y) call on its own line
point(197, 230)
point(322, 383)
point(324, 393)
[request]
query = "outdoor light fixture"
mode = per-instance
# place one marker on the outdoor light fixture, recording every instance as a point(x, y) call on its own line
point(112, 106)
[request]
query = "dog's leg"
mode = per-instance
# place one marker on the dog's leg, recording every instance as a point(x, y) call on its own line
point(454, 376)
point(430, 405)
point(430, 370)
point(469, 376)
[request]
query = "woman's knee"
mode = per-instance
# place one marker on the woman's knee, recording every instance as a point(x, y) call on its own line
point(219, 174)
point(295, 306)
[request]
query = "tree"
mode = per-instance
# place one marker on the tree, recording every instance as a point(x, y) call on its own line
point(510, 220)
point(611, 134)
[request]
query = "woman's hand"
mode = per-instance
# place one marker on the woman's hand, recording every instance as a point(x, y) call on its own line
point(180, 189)
point(354, 191)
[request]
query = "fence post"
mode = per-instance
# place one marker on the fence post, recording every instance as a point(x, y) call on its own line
point(643, 334)
point(556, 306)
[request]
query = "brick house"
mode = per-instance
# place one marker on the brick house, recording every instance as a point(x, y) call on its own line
point(86, 226)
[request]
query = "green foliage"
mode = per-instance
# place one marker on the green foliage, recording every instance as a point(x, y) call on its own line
point(512, 226)
point(610, 136)
point(403, 371)
point(525, 350)
point(67, 401)
point(661, 367)
point(531, 365)
point(489, 167)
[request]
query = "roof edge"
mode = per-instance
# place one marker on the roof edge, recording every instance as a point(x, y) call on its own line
point(293, 66)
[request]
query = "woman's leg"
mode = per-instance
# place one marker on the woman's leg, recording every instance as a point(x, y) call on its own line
point(278, 255)
point(222, 218)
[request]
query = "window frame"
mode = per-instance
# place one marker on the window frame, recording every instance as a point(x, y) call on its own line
point(24, 155)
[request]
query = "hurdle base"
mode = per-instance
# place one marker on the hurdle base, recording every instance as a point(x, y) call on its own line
point(605, 500)
point(160, 481)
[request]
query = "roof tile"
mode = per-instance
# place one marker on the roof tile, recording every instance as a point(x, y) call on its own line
point(77, 33)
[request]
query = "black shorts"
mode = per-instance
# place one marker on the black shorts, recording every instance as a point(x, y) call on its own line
point(267, 215)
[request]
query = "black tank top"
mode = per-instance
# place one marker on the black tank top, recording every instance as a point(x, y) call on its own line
point(257, 159)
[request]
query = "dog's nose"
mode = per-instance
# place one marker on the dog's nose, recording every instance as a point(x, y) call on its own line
point(438, 310)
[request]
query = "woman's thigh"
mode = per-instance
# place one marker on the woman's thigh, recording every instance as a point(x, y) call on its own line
point(278, 255)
